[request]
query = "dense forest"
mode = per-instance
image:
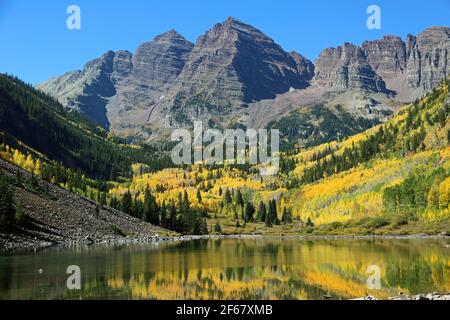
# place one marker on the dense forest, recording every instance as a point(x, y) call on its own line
point(29, 117)
point(320, 125)
point(389, 178)
point(397, 136)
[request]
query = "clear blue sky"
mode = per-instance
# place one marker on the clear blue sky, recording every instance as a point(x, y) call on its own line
point(35, 43)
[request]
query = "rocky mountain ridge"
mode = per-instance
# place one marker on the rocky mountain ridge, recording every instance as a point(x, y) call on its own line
point(369, 81)
point(117, 89)
point(234, 68)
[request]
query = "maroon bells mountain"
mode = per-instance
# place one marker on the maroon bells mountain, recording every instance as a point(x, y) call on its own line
point(235, 75)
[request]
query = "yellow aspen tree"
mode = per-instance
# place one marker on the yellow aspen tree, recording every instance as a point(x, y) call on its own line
point(29, 163)
point(38, 168)
point(444, 193)
point(433, 197)
point(18, 158)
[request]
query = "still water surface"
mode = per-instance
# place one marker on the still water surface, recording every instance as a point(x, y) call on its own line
point(230, 269)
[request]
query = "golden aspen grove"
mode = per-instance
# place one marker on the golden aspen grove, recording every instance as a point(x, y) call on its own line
point(340, 187)
point(360, 185)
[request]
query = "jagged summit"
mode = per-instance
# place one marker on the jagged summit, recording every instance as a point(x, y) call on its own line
point(231, 65)
point(436, 30)
point(234, 67)
point(232, 22)
point(169, 35)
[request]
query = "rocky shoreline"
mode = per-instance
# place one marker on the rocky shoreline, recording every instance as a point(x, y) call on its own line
point(56, 217)
point(13, 242)
point(310, 238)
point(429, 296)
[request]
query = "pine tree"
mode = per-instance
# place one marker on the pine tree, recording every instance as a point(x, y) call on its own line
point(7, 210)
point(180, 200)
point(227, 198)
point(239, 199)
point(262, 211)
point(199, 196)
point(217, 228)
point(137, 208)
point(442, 117)
point(287, 216)
point(181, 224)
point(309, 223)
point(196, 228)
point(150, 209)
point(103, 201)
point(273, 212)
point(249, 212)
point(127, 203)
point(186, 205)
point(163, 221)
point(268, 216)
point(200, 226)
point(172, 225)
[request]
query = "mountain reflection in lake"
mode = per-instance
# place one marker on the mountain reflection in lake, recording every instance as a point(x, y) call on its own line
point(230, 269)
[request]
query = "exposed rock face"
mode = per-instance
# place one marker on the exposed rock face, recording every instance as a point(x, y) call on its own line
point(234, 69)
point(122, 66)
point(113, 87)
point(346, 67)
point(422, 62)
point(86, 90)
point(387, 57)
point(369, 81)
point(155, 65)
point(304, 66)
point(428, 57)
point(233, 64)
point(160, 61)
point(332, 60)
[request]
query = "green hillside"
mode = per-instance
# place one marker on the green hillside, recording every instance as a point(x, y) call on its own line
point(31, 118)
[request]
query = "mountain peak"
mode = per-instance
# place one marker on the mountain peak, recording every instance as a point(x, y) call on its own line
point(434, 35)
point(304, 66)
point(233, 64)
point(440, 29)
point(231, 21)
point(234, 24)
point(169, 35)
